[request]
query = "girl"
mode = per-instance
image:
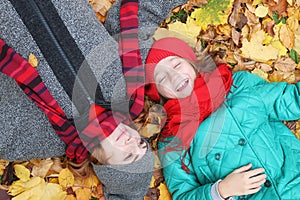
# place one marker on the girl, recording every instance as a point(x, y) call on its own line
point(218, 144)
point(81, 42)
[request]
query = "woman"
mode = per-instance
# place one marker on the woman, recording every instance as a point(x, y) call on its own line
point(80, 40)
point(223, 137)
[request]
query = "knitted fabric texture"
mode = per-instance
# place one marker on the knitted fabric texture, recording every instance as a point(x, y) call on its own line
point(127, 182)
point(26, 76)
point(161, 49)
point(102, 122)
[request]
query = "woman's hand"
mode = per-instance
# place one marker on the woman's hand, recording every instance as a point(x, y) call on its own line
point(242, 181)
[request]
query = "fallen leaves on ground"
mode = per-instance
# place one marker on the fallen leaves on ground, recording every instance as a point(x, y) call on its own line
point(261, 36)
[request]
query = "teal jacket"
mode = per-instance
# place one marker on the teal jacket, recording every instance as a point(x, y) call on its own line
point(247, 128)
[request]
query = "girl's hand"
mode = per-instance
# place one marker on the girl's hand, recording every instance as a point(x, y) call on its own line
point(242, 181)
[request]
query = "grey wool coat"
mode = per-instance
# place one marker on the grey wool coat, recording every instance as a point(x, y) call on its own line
point(25, 131)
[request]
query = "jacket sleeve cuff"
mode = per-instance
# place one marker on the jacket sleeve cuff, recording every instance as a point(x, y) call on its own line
point(214, 192)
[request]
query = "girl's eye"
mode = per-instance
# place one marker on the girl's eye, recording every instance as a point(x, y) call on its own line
point(177, 65)
point(162, 79)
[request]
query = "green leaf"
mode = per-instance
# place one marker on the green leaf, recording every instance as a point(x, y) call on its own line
point(215, 12)
point(180, 16)
point(294, 56)
point(276, 18)
point(283, 20)
point(94, 198)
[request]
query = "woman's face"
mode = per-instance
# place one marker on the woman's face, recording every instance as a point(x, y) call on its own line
point(174, 77)
point(123, 146)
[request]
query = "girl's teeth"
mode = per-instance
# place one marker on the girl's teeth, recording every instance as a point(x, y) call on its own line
point(182, 85)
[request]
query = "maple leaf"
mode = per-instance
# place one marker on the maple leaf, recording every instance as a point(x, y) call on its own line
point(214, 13)
point(255, 49)
point(190, 28)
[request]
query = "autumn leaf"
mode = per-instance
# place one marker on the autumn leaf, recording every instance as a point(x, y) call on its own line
point(215, 13)
point(255, 50)
point(261, 11)
point(41, 167)
point(43, 190)
point(33, 60)
point(3, 165)
point(66, 178)
point(189, 29)
point(20, 186)
point(22, 172)
point(285, 64)
point(260, 73)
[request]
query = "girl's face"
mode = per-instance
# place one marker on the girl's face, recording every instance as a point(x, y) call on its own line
point(174, 77)
point(123, 146)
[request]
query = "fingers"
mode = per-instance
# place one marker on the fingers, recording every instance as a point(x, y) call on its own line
point(243, 169)
point(254, 172)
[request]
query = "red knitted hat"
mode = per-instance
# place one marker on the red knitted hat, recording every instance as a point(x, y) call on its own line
point(161, 49)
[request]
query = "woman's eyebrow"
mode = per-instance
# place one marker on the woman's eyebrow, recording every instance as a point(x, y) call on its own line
point(129, 156)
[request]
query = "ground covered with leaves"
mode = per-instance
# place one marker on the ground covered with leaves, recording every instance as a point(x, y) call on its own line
point(260, 36)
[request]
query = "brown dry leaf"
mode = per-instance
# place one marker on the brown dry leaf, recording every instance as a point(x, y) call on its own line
point(285, 64)
point(235, 36)
point(33, 60)
point(101, 6)
point(66, 178)
point(234, 16)
point(190, 4)
point(3, 165)
point(286, 36)
point(280, 8)
point(41, 167)
point(264, 67)
point(252, 20)
point(57, 165)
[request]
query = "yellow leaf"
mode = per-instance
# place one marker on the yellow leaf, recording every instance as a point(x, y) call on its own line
point(22, 172)
point(281, 49)
point(224, 29)
point(256, 2)
point(3, 165)
point(261, 11)
point(190, 28)
point(256, 51)
point(163, 33)
point(20, 186)
point(66, 178)
point(83, 194)
point(33, 60)
point(260, 73)
point(43, 190)
point(286, 36)
point(164, 192)
point(70, 197)
point(268, 39)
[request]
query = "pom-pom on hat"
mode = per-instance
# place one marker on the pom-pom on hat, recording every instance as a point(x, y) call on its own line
point(161, 49)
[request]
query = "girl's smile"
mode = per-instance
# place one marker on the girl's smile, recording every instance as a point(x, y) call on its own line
point(174, 77)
